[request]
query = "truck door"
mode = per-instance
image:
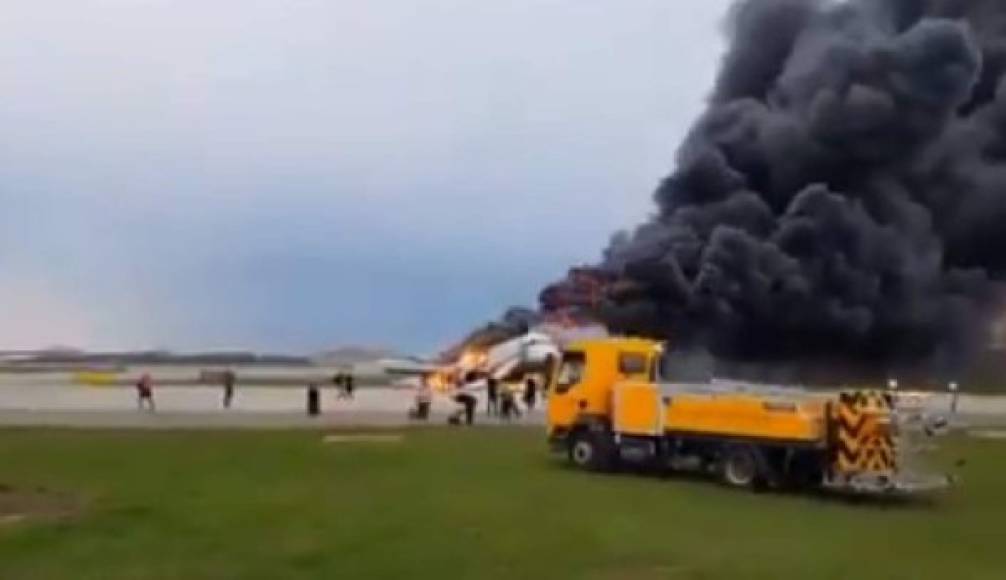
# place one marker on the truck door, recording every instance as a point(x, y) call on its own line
point(636, 403)
point(562, 409)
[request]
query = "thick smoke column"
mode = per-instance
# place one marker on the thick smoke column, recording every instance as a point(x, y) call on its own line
point(843, 195)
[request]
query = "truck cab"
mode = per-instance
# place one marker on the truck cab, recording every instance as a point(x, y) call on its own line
point(580, 394)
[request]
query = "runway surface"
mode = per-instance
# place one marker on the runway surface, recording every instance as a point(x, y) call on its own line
point(70, 405)
point(201, 407)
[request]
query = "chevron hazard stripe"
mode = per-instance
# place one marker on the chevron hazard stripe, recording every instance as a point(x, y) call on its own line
point(861, 441)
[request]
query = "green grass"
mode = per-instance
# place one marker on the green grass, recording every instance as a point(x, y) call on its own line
point(459, 504)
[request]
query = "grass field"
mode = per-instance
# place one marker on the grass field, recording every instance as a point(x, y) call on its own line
point(457, 504)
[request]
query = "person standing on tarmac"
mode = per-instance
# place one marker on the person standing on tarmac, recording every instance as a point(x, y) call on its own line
point(492, 396)
point(229, 379)
point(313, 400)
point(145, 393)
point(530, 393)
point(424, 399)
point(348, 383)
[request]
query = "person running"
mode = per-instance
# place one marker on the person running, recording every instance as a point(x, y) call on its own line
point(464, 396)
point(344, 384)
point(530, 393)
point(508, 405)
point(145, 393)
point(229, 379)
point(492, 396)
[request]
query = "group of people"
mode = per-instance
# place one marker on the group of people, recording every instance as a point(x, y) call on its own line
point(501, 399)
point(344, 382)
point(345, 385)
point(228, 379)
point(145, 391)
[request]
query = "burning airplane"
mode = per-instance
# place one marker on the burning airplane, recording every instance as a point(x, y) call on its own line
point(839, 202)
point(523, 343)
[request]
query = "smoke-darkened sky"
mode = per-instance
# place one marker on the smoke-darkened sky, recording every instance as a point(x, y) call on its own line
point(841, 196)
point(293, 175)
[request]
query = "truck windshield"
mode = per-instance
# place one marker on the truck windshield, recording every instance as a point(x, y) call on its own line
point(571, 371)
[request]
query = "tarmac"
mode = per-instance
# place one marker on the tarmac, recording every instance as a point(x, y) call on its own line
point(200, 407)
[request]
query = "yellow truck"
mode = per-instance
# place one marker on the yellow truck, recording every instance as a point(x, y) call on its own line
point(609, 405)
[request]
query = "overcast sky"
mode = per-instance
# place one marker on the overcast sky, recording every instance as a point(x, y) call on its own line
point(296, 174)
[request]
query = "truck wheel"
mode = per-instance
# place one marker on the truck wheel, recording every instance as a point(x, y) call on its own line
point(740, 466)
point(589, 451)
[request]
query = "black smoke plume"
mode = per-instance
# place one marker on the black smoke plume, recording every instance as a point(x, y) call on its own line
point(843, 195)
